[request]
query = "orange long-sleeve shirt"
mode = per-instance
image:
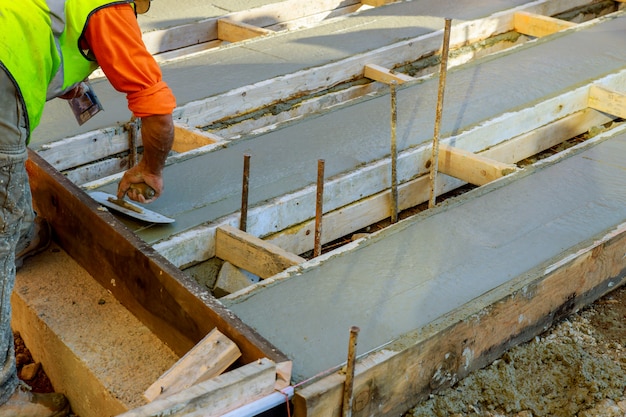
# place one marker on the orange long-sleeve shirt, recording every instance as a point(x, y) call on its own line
point(114, 38)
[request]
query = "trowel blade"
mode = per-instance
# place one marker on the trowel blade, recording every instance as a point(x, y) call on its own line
point(132, 210)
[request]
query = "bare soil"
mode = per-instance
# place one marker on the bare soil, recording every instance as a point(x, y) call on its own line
point(575, 369)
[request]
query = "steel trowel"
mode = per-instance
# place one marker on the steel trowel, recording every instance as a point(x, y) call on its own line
point(130, 209)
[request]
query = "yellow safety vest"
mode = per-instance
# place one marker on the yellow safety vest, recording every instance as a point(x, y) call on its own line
point(40, 47)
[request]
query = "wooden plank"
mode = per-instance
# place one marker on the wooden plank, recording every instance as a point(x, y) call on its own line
point(470, 167)
point(186, 139)
point(547, 136)
point(385, 75)
point(208, 359)
point(251, 253)
point(475, 334)
point(216, 396)
point(169, 303)
point(537, 25)
point(230, 31)
point(376, 3)
point(608, 101)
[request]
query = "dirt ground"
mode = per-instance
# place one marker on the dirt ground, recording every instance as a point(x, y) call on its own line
point(575, 369)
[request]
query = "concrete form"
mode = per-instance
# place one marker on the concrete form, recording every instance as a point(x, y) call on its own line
point(436, 295)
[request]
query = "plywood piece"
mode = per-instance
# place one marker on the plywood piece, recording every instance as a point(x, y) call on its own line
point(607, 101)
point(186, 139)
point(209, 358)
point(385, 75)
point(232, 279)
point(376, 3)
point(537, 25)
point(251, 253)
point(231, 31)
point(216, 396)
point(469, 167)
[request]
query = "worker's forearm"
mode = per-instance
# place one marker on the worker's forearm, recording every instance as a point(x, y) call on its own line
point(157, 134)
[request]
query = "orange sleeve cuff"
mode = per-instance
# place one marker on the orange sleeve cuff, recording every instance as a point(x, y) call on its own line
point(157, 99)
point(114, 37)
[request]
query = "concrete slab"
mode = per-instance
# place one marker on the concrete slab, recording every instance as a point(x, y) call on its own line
point(225, 69)
point(404, 277)
point(207, 187)
point(169, 13)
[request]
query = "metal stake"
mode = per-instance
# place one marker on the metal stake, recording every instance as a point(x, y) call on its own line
point(394, 154)
point(133, 134)
point(349, 382)
point(243, 221)
point(442, 84)
point(319, 209)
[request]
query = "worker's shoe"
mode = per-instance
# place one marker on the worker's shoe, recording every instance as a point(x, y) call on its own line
point(24, 403)
point(35, 242)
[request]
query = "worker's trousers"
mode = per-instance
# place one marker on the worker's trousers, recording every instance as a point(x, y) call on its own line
point(16, 215)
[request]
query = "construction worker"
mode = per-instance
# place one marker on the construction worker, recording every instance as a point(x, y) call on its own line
point(47, 48)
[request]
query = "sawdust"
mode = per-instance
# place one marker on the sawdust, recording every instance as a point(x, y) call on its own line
point(575, 369)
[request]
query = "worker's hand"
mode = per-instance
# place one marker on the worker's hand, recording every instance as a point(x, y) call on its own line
point(157, 135)
point(140, 186)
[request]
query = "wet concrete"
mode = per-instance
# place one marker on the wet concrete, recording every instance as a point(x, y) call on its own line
point(222, 70)
point(411, 274)
point(164, 14)
point(208, 187)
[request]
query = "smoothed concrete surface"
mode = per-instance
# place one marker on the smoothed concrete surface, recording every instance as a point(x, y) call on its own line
point(412, 273)
point(225, 69)
point(207, 187)
point(165, 14)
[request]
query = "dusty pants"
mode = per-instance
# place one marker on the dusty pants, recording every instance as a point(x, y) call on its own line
point(16, 216)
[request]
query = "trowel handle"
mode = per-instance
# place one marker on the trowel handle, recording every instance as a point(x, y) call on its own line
point(144, 189)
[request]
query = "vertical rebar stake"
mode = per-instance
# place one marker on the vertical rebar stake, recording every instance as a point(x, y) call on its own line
point(434, 166)
point(319, 209)
point(133, 133)
point(243, 221)
point(349, 382)
point(394, 154)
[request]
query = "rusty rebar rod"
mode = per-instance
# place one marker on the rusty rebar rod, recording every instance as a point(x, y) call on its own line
point(319, 209)
point(349, 382)
point(443, 70)
point(394, 153)
point(243, 220)
point(133, 134)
